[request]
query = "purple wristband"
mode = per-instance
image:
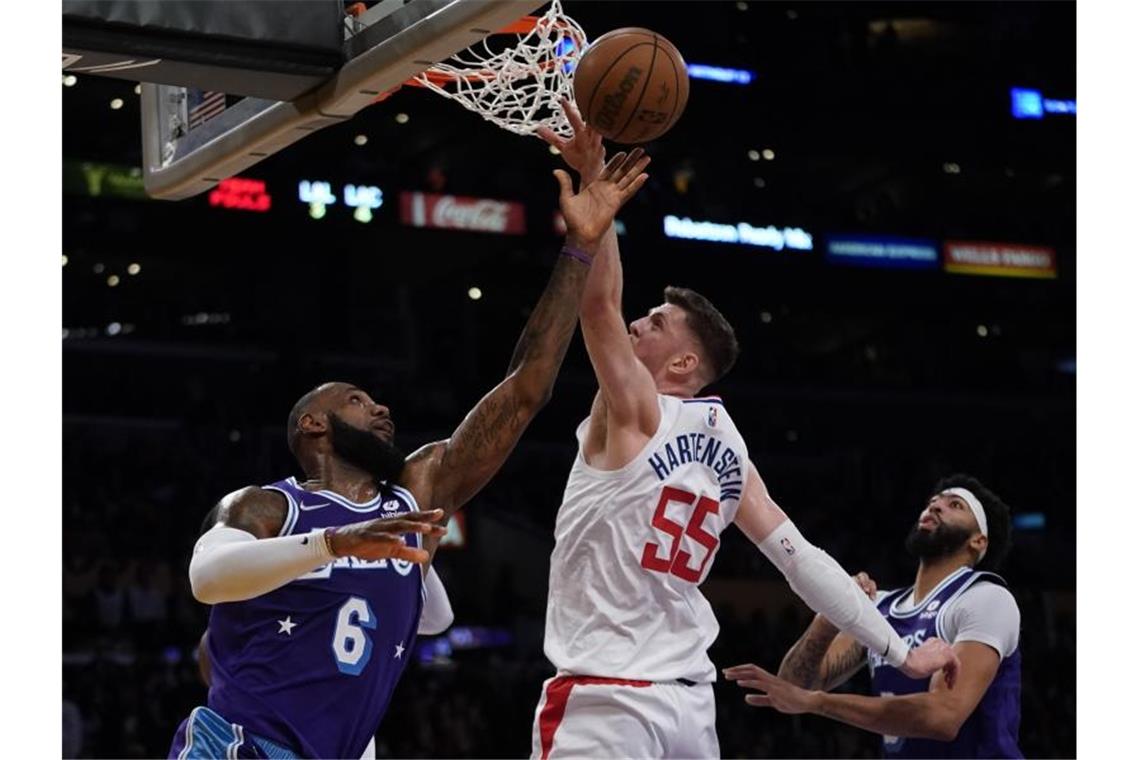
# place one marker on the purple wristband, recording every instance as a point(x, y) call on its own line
point(576, 253)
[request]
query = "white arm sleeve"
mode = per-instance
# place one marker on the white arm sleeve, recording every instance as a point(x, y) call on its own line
point(987, 613)
point(827, 588)
point(232, 565)
point(437, 614)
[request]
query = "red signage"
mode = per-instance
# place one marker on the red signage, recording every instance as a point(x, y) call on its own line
point(999, 259)
point(242, 194)
point(455, 212)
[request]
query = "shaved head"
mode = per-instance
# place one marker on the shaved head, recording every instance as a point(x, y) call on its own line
point(310, 402)
point(342, 420)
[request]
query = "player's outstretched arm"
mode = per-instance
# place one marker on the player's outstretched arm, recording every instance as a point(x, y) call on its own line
point(827, 589)
point(936, 714)
point(823, 658)
point(242, 556)
point(625, 411)
point(449, 473)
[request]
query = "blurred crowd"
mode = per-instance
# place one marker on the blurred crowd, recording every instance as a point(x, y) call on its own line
point(134, 502)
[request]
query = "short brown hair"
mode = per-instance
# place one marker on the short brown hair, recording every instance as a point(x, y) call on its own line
point(714, 333)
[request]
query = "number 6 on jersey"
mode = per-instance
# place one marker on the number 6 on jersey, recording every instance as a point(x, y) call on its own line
point(351, 645)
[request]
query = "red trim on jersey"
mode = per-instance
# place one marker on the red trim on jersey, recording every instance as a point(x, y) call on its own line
point(558, 694)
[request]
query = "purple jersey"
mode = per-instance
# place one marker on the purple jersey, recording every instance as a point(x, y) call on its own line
point(992, 729)
point(312, 665)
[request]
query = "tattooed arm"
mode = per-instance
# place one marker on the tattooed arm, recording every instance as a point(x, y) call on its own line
point(823, 658)
point(447, 474)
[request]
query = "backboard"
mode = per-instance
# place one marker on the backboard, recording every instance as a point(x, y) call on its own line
point(191, 141)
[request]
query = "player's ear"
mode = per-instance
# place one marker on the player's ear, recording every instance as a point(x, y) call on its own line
point(685, 363)
point(312, 424)
point(979, 543)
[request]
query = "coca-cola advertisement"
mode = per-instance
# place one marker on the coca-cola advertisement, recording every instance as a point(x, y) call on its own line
point(457, 212)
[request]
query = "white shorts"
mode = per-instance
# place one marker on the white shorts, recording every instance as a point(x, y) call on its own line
point(586, 716)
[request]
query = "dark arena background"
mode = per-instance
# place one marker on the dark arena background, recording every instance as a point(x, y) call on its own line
point(856, 129)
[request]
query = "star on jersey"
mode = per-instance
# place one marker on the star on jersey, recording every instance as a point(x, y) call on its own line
point(287, 625)
point(399, 651)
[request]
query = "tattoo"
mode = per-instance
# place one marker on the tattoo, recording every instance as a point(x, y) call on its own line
point(552, 323)
point(255, 510)
point(802, 664)
point(813, 663)
point(843, 665)
point(490, 431)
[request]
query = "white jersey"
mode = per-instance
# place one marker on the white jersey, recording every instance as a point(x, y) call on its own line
point(632, 546)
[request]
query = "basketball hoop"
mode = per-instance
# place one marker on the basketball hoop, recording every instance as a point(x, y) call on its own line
point(519, 86)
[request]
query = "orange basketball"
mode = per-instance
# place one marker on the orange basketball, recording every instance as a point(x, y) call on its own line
point(631, 85)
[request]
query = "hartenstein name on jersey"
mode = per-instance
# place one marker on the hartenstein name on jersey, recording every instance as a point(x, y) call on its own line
point(701, 448)
point(403, 567)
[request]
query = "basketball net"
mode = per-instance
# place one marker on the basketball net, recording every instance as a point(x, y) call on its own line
point(517, 88)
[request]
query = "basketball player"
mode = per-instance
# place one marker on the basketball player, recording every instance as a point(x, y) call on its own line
point(659, 474)
point(315, 586)
point(963, 529)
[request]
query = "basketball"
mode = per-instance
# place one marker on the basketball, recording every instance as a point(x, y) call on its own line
point(631, 85)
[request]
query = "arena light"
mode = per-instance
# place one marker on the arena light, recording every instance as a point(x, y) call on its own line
point(999, 259)
point(402, 118)
point(768, 154)
point(776, 238)
point(363, 196)
point(360, 140)
point(720, 74)
point(69, 80)
point(1027, 103)
point(1029, 521)
point(474, 294)
point(242, 194)
point(116, 104)
point(133, 269)
point(114, 328)
point(113, 281)
point(882, 251)
point(753, 155)
point(65, 259)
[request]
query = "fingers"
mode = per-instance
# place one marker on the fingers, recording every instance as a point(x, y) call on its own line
point(432, 515)
point(565, 186)
point(866, 584)
point(736, 672)
point(397, 527)
point(573, 116)
point(412, 554)
point(758, 700)
point(550, 136)
point(611, 167)
point(631, 161)
point(630, 176)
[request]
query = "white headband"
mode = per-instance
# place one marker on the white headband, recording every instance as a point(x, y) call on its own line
point(975, 507)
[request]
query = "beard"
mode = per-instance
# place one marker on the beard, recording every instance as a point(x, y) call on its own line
point(941, 541)
point(361, 448)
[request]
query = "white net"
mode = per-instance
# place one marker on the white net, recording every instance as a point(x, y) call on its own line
point(517, 88)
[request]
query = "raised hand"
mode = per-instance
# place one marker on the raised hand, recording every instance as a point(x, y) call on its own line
point(778, 693)
point(583, 152)
point(930, 657)
point(590, 213)
point(383, 537)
